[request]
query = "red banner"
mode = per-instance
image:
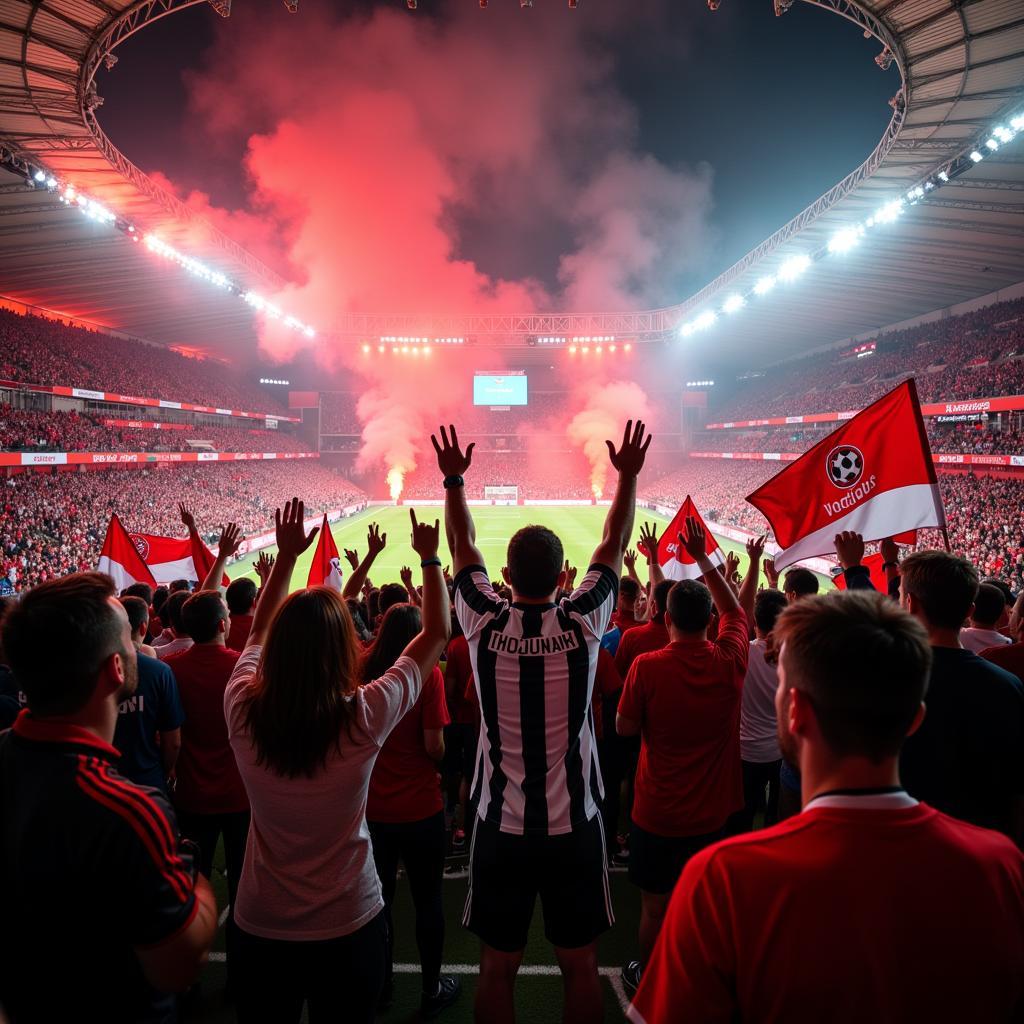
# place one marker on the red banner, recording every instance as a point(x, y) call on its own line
point(149, 425)
point(43, 459)
point(939, 458)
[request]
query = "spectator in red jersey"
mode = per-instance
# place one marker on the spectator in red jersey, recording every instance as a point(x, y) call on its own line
point(988, 617)
point(684, 701)
point(241, 601)
point(967, 759)
point(209, 795)
point(174, 639)
point(94, 872)
point(405, 811)
point(461, 735)
point(835, 914)
point(625, 613)
point(306, 735)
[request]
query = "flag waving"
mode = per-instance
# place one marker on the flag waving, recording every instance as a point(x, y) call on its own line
point(325, 570)
point(874, 475)
point(120, 558)
point(175, 558)
point(674, 561)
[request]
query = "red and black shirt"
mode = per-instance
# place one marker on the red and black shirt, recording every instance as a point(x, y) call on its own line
point(92, 869)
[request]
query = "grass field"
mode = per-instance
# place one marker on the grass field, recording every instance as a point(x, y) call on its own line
point(578, 526)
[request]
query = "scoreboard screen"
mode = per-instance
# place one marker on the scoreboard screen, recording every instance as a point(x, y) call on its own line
point(499, 389)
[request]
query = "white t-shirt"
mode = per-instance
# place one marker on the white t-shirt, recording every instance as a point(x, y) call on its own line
point(759, 738)
point(308, 871)
point(978, 640)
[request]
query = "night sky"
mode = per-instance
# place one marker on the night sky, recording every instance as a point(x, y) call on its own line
point(781, 109)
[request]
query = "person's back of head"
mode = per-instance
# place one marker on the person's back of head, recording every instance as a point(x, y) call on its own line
point(861, 663)
point(179, 585)
point(160, 596)
point(390, 595)
point(1003, 587)
point(938, 587)
point(172, 611)
point(62, 636)
point(768, 606)
point(629, 591)
point(241, 596)
point(659, 598)
point(308, 669)
point(205, 617)
point(799, 583)
point(400, 624)
point(989, 607)
point(143, 590)
point(689, 607)
point(534, 561)
point(138, 614)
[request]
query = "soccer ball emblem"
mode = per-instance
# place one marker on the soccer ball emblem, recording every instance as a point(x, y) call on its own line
point(844, 465)
point(142, 545)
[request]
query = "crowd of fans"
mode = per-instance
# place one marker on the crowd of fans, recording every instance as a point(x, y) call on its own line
point(30, 430)
point(34, 350)
point(54, 523)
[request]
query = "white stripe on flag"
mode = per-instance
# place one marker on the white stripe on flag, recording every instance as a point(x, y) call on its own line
point(116, 571)
point(676, 570)
point(891, 512)
point(179, 569)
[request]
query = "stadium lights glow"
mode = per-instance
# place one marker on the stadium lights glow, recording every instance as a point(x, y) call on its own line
point(551, 341)
point(40, 176)
point(845, 239)
point(943, 176)
point(794, 267)
point(992, 144)
point(764, 285)
point(392, 339)
point(733, 303)
point(976, 156)
point(700, 383)
point(274, 380)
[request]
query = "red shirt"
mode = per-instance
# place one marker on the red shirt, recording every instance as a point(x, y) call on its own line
point(625, 622)
point(405, 785)
point(238, 634)
point(686, 698)
point(458, 681)
point(1008, 656)
point(845, 915)
point(651, 636)
point(606, 682)
point(208, 779)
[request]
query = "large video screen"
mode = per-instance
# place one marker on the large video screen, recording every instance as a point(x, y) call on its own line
point(503, 389)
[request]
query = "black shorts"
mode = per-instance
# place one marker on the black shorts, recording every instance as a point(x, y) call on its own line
point(508, 872)
point(656, 862)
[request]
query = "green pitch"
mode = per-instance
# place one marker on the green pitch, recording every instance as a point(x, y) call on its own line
point(578, 526)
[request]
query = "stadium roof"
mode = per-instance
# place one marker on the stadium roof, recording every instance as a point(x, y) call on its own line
point(962, 66)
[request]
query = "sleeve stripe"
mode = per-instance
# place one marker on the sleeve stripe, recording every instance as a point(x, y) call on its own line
point(597, 593)
point(166, 860)
point(471, 593)
point(183, 927)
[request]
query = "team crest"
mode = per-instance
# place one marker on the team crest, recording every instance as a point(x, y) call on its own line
point(844, 465)
point(141, 545)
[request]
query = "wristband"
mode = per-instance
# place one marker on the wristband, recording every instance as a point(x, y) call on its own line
point(453, 481)
point(430, 561)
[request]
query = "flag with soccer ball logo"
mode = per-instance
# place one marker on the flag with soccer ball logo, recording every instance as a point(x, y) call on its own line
point(874, 475)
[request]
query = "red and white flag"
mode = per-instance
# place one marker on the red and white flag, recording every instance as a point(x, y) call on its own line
point(325, 570)
point(120, 558)
point(874, 475)
point(175, 558)
point(675, 563)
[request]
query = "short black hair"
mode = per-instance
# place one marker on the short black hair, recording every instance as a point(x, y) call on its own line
point(689, 606)
point(659, 596)
point(862, 662)
point(143, 590)
point(172, 610)
point(159, 599)
point(944, 584)
point(1003, 586)
point(989, 605)
point(390, 595)
point(768, 606)
point(202, 613)
point(137, 609)
point(534, 561)
point(57, 637)
point(241, 596)
point(177, 585)
point(801, 582)
point(629, 588)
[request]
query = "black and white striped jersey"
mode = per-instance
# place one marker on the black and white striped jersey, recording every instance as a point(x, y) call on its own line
point(533, 665)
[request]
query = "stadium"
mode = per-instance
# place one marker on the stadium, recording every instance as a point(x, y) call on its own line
point(301, 288)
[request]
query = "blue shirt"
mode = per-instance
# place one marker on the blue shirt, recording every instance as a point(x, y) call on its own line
point(154, 707)
point(610, 641)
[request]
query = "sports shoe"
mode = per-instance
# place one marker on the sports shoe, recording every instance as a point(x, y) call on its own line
point(631, 976)
point(459, 839)
point(448, 990)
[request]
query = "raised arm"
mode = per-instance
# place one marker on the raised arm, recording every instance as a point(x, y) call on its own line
point(189, 520)
point(291, 542)
point(649, 540)
point(375, 544)
point(425, 648)
point(748, 592)
point(694, 544)
point(618, 526)
point(228, 545)
point(458, 523)
point(406, 576)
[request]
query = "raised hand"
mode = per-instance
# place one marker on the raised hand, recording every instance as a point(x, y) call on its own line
point(425, 538)
point(755, 547)
point(629, 459)
point(405, 575)
point(450, 459)
point(352, 557)
point(376, 541)
point(263, 565)
point(770, 574)
point(732, 565)
point(695, 541)
point(291, 531)
point(230, 541)
point(649, 540)
point(889, 550)
point(849, 548)
point(629, 560)
point(187, 516)
point(448, 574)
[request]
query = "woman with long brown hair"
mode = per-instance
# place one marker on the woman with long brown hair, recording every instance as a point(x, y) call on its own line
point(306, 734)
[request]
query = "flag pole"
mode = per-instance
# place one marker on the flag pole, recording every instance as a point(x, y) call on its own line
point(945, 536)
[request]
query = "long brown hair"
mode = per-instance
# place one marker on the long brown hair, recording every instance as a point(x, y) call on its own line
point(400, 624)
point(307, 671)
